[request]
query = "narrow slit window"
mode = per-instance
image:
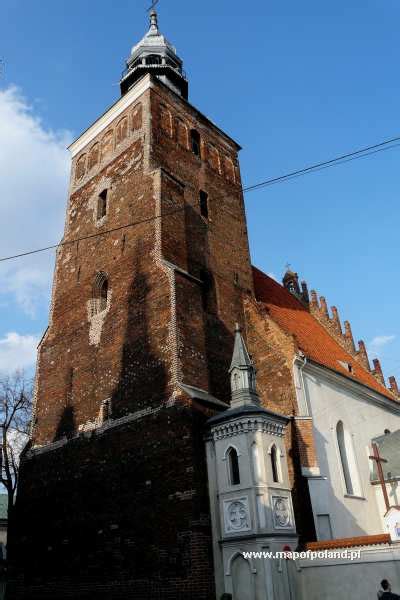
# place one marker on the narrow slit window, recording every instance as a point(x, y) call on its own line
point(102, 205)
point(274, 464)
point(204, 204)
point(195, 142)
point(233, 463)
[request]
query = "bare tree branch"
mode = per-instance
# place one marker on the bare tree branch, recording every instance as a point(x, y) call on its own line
point(15, 415)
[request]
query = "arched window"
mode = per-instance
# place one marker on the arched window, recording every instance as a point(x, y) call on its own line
point(275, 464)
point(233, 466)
point(100, 293)
point(195, 142)
point(348, 461)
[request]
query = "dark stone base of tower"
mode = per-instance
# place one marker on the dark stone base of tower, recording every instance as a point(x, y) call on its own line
point(117, 514)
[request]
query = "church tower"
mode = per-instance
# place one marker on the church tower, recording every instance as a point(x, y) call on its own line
point(149, 283)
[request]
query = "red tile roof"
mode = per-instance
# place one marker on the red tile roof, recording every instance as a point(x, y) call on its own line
point(312, 338)
point(363, 540)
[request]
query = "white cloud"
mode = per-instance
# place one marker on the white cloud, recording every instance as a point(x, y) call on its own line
point(381, 340)
point(34, 165)
point(17, 351)
point(377, 345)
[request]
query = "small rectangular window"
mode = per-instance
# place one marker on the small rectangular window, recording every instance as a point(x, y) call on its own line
point(102, 205)
point(204, 204)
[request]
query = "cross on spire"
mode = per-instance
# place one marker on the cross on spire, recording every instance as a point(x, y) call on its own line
point(153, 6)
point(379, 460)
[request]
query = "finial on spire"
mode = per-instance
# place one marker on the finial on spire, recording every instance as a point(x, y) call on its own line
point(153, 17)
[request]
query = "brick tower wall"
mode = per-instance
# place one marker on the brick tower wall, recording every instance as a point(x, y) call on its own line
point(113, 491)
point(217, 246)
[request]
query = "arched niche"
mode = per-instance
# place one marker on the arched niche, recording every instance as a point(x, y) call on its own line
point(107, 144)
point(122, 130)
point(136, 117)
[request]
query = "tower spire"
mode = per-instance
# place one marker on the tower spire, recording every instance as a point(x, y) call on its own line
point(243, 374)
point(155, 55)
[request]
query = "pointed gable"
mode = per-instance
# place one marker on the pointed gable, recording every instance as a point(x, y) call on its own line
point(312, 338)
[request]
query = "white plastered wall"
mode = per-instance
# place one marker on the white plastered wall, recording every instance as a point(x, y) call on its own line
point(329, 398)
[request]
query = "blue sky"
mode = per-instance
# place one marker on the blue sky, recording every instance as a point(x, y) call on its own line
point(294, 83)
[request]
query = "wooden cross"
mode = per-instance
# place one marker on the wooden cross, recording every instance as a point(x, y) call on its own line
point(379, 460)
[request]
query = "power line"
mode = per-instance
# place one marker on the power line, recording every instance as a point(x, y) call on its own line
point(356, 154)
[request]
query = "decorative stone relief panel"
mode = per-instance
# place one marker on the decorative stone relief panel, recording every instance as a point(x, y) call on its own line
point(237, 515)
point(282, 512)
